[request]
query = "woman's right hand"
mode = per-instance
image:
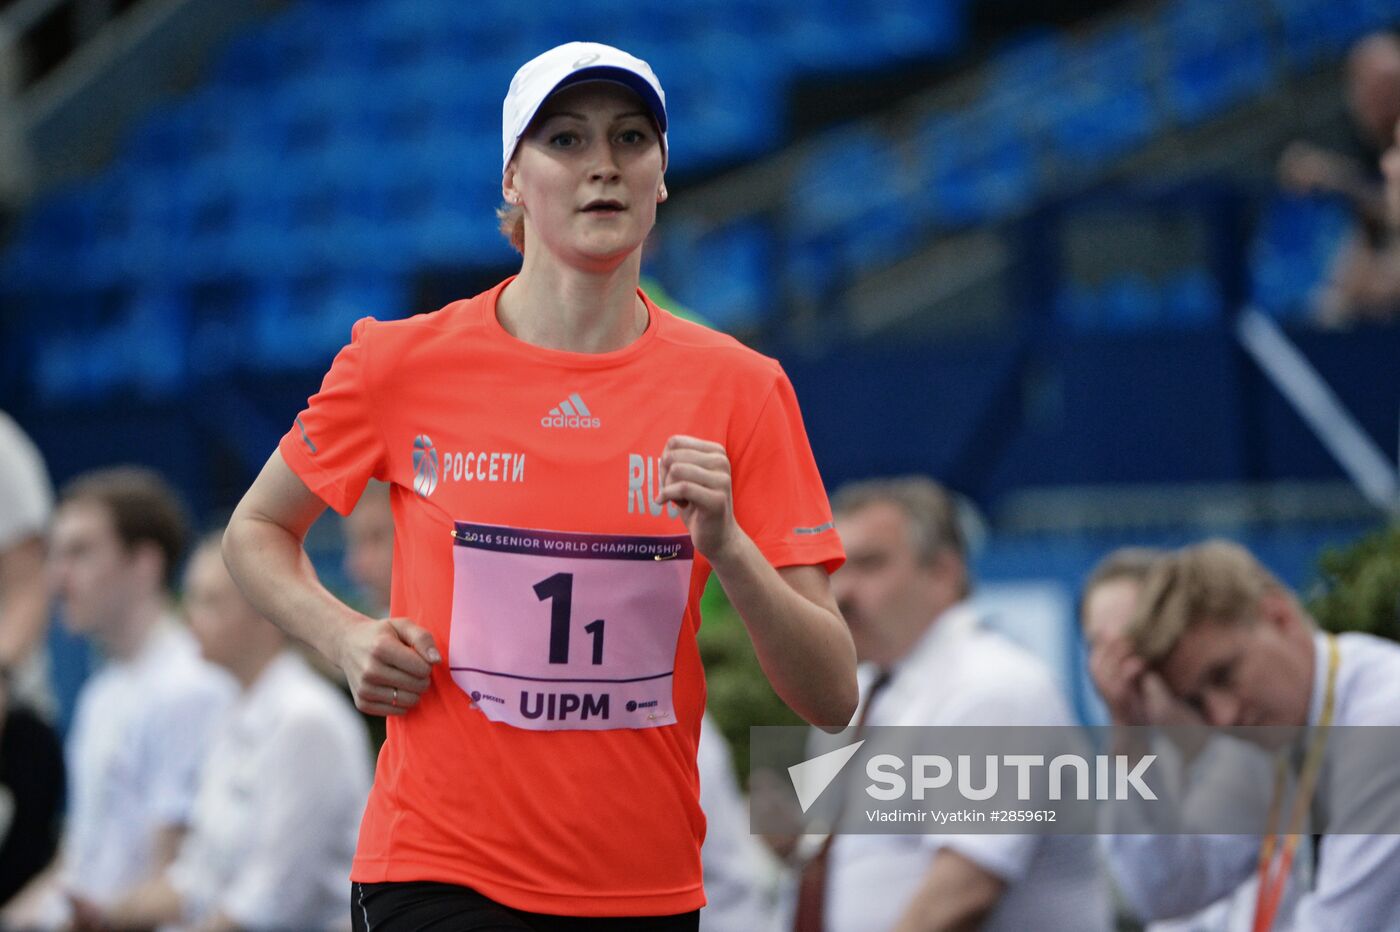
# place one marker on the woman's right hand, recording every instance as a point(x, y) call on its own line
point(387, 664)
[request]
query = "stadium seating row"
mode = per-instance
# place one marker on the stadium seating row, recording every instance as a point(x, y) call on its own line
point(352, 138)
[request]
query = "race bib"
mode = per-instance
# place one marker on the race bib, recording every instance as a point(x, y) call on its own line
point(554, 630)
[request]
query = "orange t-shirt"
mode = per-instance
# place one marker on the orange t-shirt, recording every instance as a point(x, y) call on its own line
point(551, 764)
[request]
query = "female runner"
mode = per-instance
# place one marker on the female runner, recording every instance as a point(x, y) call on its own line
point(568, 464)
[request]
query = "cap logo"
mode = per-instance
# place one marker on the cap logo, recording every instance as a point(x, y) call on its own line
point(585, 60)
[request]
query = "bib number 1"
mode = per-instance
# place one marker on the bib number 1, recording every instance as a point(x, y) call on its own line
point(554, 630)
point(559, 589)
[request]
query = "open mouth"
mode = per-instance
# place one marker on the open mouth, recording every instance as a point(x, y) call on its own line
point(603, 207)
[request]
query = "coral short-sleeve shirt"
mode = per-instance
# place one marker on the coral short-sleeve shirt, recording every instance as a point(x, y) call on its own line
point(551, 763)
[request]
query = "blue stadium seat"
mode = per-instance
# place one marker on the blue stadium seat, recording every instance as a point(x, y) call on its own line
point(726, 275)
point(1191, 298)
point(56, 238)
point(164, 139)
point(1076, 307)
point(1104, 107)
point(1314, 29)
point(977, 166)
point(861, 225)
point(908, 28)
point(1217, 57)
point(1379, 14)
point(724, 101)
point(1130, 301)
point(1023, 70)
point(822, 196)
point(153, 340)
point(1292, 250)
point(827, 35)
point(250, 62)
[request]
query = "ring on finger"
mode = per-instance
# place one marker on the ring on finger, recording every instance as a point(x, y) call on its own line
point(394, 701)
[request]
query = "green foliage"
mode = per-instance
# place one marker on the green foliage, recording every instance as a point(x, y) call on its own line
point(739, 693)
point(1360, 589)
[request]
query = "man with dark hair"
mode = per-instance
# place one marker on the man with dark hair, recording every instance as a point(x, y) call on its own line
point(140, 729)
point(926, 660)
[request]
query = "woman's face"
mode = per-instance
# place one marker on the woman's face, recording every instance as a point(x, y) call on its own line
point(588, 173)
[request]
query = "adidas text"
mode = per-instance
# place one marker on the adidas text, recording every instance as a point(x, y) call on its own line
point(569, 420)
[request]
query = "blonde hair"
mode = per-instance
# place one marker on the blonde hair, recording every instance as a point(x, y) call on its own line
point(1215, 582)
point(1126, 563)
point(510, 219)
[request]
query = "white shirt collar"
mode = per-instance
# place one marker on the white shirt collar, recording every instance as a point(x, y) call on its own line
point(953, 625)
point(165, 636)
point(266, 697)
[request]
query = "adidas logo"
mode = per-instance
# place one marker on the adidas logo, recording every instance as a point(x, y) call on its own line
point(572, 412)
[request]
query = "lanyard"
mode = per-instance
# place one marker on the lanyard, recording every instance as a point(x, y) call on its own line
point(1272, 880)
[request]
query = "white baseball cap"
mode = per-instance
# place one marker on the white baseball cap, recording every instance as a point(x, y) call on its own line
point(572, 63)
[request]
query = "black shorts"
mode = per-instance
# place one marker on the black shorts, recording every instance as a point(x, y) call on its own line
point(425, 906)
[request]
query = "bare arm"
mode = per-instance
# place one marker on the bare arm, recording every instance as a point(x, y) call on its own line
point(386, 662)
point(144, 907)
point(956, 894)
point(798, 634)
point(154, 903)
point(23, 908)
point(24, 601)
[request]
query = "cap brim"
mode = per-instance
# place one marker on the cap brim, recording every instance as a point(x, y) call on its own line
point(629, 79)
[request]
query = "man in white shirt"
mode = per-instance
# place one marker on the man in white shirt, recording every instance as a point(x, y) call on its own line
point(279, 804)
point(736, 869)
point(903, 590)
point(1235, 644)
point(1134, 698)
point(26, 504)
point(139, 733)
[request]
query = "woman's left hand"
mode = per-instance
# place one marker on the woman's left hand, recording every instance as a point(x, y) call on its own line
point(695, 477)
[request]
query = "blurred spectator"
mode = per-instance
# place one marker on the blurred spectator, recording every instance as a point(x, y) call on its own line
point(142, 721)
point(1365, 278)
point(369, 547)
point(31, 794)
point(927, 661)
point(1135, 697)
point(26, 501)
point(1390, 169)
point(1133, 694)
point(1233, 642)
point(280, 799)
point(736, 896)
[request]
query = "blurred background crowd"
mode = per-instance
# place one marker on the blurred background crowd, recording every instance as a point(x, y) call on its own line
point(1116, 273)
